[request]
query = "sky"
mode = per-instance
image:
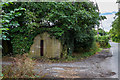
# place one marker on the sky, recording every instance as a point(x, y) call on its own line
point(107, 8)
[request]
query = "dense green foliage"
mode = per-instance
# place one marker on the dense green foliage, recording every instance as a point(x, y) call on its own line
point(69, 22)
point(102, 38)
point(103, 41)
point(100, 31)
point(115, 31)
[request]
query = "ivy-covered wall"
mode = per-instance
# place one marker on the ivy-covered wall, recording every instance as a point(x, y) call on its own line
point(70, 22)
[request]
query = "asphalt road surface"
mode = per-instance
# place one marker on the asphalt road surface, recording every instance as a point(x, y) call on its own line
point(115, 50)
point(102, 65)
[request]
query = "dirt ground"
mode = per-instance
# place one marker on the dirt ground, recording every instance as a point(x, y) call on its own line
point(96, 66)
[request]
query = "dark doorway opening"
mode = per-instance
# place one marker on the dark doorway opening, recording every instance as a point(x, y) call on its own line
point(41, 47)
point(7, 48)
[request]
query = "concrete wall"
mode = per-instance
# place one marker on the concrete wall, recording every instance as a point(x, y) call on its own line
point(51, 48)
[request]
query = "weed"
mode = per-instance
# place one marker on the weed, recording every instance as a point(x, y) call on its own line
point(21, 67)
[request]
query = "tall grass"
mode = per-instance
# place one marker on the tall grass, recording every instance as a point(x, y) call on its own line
point(21, 67)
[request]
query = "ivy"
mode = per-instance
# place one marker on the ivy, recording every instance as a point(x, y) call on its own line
point(69, 22)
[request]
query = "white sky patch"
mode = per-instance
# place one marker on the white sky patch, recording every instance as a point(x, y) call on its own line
point(108, 22)
point(104, 0)
point(107, 7)
point(104, 7)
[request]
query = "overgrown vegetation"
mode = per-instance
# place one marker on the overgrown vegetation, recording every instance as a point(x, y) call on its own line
point(103, 41)
point(115, 31)
point(100, 31)
point(21, 67)
point(70, 22)
point(102, 38)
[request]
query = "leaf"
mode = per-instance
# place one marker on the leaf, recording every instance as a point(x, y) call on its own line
point(7, 21)
point(15, 23)
point(6, 3)
point(11, 11)
point(22, 8)
point(4, 28)
point(11, 2)
point(16, 9)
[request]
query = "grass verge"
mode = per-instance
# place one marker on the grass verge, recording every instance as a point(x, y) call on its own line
point(69, 58)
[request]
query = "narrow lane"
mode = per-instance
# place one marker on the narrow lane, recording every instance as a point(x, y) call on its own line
point(96, 66)
point(114, 60)
point(119, 61)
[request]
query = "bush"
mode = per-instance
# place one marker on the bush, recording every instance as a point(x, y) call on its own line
point(103, 41)
point(115, 38)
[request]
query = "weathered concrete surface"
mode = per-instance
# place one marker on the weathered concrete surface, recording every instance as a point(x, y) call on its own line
point(51, 48)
